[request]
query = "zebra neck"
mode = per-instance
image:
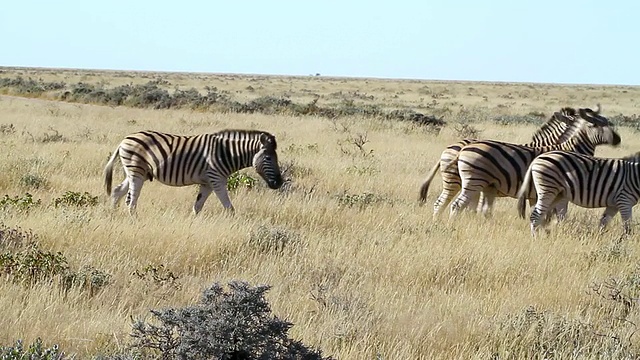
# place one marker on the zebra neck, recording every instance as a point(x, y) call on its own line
point(579, 145)
point(233, 155)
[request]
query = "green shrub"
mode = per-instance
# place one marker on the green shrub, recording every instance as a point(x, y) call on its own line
point(24, 262)
point(359, 200)
point(75, 199)
point(33, 181)
point(239, 180)
point(32, 264)
point(87, 278)
point(233, 324)
point(35, 351)
point(22, 204)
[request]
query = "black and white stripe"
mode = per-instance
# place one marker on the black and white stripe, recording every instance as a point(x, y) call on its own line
point(497, 168)
point(206, 160)
point(587, 181)
point(555, 130)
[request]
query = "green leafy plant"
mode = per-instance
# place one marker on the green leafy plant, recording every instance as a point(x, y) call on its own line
point(75, 199)
point(239, 180)
point(32, 264)
point(36, 351)
point(21, 203)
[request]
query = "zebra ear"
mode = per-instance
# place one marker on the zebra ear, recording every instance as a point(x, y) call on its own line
point(593, 117)
point(268, 140)
point(562, 116)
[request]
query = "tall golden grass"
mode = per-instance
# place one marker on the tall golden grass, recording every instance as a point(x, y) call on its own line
point(379, 278)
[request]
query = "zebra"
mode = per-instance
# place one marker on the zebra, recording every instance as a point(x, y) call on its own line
point(551, 132)
point(561, 177)
point(206, 160)
point(497, 168)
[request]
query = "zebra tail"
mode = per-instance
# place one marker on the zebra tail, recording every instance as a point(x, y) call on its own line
point(425, 186)
point(108, 171)
point(523, 192)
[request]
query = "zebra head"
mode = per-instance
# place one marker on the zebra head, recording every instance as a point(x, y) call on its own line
point(266, 161)
point(598, 128)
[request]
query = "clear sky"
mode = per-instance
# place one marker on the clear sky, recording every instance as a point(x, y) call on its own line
point(562, 41)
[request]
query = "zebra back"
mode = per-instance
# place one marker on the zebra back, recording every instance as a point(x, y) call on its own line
point(503, 165)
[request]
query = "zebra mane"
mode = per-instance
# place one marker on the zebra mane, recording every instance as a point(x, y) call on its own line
point(555, 123)
point(250, 134)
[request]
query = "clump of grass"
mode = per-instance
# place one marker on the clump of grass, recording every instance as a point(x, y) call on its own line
point(272, 239)
point(33, 181)
point(466, 131)
point(13, 238)
point(360, 201)
point(52, 135)
point(539, 334)
point(158, 275)
point(7, 129)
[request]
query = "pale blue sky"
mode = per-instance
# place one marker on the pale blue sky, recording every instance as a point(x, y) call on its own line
point(595, 42)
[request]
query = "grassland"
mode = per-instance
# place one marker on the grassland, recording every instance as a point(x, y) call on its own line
point(365, 272)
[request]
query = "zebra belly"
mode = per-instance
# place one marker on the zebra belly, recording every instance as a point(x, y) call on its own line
point(175, 173)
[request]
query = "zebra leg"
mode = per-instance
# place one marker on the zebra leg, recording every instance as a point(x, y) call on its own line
point(462, 201)
point(539, 213)
point(203, 195)
point(488, 199)
point(220, 188)
point(625, 213)
point(118, 192)
point(560, 209)
point(609, 212)
point(444, 199)
point(135, 185)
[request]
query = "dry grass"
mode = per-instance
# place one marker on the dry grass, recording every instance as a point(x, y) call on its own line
point(374, 279)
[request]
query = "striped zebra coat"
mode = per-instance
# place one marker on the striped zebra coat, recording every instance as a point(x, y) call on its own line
point(206, 160)
point(586, 181)
point(497, 168)
point(553, 131)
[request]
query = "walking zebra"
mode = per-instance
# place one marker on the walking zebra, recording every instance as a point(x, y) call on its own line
point(497, 168)
point(584, 180)
point(206, 160)
point(552, 132)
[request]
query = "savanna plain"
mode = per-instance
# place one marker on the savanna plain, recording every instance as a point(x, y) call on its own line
point(353, 261)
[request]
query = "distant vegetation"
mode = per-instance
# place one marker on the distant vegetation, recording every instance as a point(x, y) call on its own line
point(153, 95)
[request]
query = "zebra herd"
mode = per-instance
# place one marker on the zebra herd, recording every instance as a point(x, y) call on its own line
point(555, 168)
